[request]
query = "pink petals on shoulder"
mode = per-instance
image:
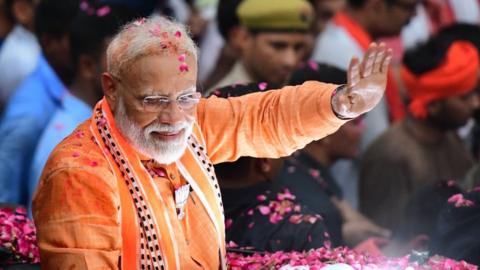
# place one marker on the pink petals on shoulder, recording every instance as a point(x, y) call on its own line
point(459, 201)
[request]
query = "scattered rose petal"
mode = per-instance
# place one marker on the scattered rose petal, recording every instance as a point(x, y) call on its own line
point(460, 201)
point(311, 219)
point(228, 223)
point(84, 5)
point(182, 57)
point(250, 212)
point(183, 67)
point(103, 11)
point(178, 34)
point(313, 65)
point(295, 219)
point(262, 86)
point(314, 173)
point(80, 134)
point(261, 197)
point(102, 122)
point(264, 210)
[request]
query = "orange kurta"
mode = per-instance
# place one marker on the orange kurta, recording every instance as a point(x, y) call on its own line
point(78, 209)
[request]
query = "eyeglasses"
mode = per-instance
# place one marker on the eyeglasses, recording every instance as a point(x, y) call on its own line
point(157, 104)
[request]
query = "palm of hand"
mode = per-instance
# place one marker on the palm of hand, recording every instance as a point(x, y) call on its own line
point(366, 82)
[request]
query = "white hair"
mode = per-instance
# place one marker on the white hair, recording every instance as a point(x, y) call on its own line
point(148, 36)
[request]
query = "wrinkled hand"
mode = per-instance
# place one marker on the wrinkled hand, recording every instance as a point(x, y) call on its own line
point(366, 83)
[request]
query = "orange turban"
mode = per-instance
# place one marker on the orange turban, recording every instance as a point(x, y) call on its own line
point(456, 75)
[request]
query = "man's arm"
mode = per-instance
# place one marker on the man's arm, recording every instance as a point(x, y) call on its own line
point(270, 124)
point(77, 221)
point(276, 123)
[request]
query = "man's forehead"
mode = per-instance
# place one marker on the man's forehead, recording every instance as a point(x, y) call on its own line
point(167, 92)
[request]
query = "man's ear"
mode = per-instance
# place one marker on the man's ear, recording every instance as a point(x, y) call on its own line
point(109, 90)
point(243, 38)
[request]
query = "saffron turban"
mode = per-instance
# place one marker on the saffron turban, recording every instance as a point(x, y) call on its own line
point(456, 75)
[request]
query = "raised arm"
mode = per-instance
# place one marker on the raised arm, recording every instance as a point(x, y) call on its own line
point(276, 123)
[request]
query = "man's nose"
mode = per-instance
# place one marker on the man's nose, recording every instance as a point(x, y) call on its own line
point(172, 114)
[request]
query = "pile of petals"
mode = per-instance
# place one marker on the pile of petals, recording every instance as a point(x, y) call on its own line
point(319, 258)
point(18, 241)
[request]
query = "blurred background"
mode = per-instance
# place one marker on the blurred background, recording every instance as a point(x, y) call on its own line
point(383, 183)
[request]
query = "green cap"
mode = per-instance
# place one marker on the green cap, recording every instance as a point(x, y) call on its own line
point(275, 14)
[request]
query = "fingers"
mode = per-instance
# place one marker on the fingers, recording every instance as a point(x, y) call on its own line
point(379, 58)
point(353, 72)
point(386, 60)
point(368, 60)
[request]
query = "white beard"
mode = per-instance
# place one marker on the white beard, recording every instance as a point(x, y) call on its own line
point(164, 152)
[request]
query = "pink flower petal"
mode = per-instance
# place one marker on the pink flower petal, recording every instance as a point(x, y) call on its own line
point(228, 223)
point(313, 65)
point(84, 5)
point(80, 134)
point(182, 57)
point(261, 197)
point(264, 210)
point(102, 122)
point(103, 11)
point(178, 34)
point(262, 86)
point(314, 173)
point(183, 67)
point(295, 219)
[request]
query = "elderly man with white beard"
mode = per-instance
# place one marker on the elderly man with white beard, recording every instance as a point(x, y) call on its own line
point(134, 187)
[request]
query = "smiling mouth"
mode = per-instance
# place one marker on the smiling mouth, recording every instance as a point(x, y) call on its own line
point(167, 136)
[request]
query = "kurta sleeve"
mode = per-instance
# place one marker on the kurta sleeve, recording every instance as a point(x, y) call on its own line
point(77, 219)
point(268, 124)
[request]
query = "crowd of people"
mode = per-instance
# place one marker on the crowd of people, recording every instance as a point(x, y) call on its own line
point(210, 125)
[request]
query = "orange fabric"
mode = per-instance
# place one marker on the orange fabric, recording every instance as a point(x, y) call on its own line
point(81, 206)
point(456, 75)
point(396, 107)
